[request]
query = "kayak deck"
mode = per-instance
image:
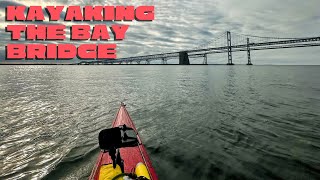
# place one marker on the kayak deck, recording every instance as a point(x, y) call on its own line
point(130, 155)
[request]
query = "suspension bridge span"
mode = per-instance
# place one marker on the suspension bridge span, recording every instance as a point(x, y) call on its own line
point(223, 43)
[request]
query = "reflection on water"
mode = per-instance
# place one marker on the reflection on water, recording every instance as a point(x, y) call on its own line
point(198, 122)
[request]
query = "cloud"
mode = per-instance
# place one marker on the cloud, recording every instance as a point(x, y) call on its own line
point(281, 17)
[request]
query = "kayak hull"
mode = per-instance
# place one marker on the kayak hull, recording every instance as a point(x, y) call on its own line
point(130, 155)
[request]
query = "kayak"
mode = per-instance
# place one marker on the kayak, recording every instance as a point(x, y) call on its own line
point(122, 154)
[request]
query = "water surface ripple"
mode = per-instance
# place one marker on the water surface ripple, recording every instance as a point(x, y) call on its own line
point(197, 122)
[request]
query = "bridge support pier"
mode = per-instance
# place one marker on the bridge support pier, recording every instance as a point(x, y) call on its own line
point(183, 58)
point(248, 52)
point(147, 61)
point(164, 61)
point(138, 62)
point(229, 48)
point(205, 59)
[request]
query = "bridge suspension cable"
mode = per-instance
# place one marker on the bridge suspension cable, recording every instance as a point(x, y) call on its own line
point(218, 38)
point(269, 37)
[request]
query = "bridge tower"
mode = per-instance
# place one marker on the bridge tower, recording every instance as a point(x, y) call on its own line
point(183, 58)
point(205, 60)
point(229, 48)
point(164, 61)
point(248, 52)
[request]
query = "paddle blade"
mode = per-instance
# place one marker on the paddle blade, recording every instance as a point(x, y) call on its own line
point(110, 138)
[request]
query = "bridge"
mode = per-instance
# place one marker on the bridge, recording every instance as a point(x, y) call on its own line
point(222, 43)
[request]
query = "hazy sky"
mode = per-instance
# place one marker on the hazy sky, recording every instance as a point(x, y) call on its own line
point(186, 24)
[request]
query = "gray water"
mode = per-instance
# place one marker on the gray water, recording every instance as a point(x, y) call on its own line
point(197, 122)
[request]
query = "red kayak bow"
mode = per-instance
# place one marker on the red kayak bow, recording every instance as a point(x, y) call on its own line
point(131, 155)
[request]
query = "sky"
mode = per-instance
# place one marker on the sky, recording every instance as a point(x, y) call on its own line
point(188, 24)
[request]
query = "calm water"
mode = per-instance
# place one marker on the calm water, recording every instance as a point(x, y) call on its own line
point(197, 122)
